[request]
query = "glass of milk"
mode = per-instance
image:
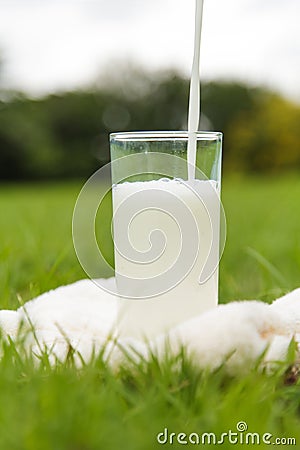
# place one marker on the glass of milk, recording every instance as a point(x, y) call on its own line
point(166, 227)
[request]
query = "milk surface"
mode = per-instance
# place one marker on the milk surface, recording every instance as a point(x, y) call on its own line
point(166, 233)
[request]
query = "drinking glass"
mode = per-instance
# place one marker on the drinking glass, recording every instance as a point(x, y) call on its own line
point(166, 227)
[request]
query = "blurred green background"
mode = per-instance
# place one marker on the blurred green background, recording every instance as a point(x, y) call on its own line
point(65, 135)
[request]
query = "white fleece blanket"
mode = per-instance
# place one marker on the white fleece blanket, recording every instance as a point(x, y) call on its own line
point(82, 316)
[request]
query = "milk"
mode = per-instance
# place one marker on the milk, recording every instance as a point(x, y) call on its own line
point(194, 97)
point(185, 217)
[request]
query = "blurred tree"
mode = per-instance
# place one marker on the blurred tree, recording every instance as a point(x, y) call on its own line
point(224, 102)
point(66, 135)
point(267, 138)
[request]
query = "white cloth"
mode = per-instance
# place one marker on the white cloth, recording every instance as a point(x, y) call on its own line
point(83, 317)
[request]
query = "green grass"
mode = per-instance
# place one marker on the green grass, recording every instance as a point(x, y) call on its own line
point(64, 408)
point(262, 253)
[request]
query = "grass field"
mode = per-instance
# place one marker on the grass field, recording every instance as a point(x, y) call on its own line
point(63, 408)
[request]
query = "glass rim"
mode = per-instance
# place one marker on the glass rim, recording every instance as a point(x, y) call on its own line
point(163, 135)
